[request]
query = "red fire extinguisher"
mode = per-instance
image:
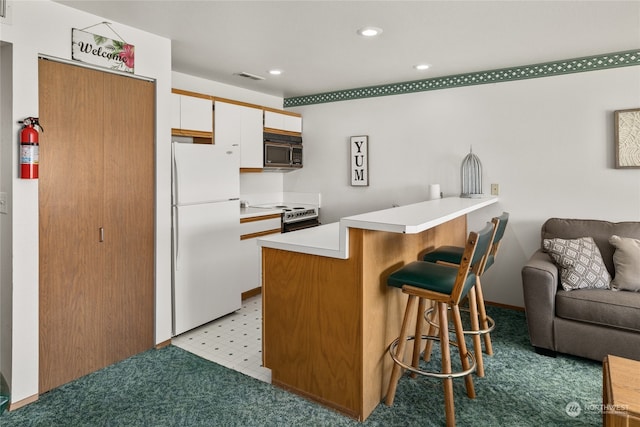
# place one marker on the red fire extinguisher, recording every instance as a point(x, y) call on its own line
point(29, 148)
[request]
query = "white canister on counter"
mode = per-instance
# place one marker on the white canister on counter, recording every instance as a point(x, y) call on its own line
point(434, 191)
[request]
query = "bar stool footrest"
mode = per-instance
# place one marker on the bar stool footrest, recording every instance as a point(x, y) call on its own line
point(433, 374)
point(488, 329)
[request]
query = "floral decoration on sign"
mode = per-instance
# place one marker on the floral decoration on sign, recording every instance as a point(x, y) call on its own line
point(102, 51)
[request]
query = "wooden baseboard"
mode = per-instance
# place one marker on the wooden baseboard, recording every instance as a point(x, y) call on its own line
point(163, 344)
point(507, 306)
point(24, 402)
point(252, 293)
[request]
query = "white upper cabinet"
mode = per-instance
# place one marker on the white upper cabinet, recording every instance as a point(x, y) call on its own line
point(175, 111)
point(196, 113)
point(251, 146)
point(280, 121)
point(239, 125)
point(228, 123)
point(191, 113)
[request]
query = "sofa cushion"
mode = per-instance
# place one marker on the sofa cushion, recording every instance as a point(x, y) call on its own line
point(580, 263)
point(601, 307)
point(601, 231)
point(626, 260)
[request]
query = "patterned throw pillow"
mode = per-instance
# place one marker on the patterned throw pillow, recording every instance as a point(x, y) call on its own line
point(580, 263)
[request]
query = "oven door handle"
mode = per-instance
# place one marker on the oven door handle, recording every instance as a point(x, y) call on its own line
point(299, 225)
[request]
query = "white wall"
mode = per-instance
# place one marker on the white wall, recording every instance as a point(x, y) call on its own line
point(548, 143)
point(221, 90)
point(44, 27)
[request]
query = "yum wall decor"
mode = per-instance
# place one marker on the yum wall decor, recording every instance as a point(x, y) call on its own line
point(104, 52)
point(360, 161)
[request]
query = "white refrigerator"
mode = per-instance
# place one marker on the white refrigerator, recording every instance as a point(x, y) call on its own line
point(206, 221)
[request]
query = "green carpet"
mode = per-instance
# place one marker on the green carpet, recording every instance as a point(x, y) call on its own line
point(171, 387)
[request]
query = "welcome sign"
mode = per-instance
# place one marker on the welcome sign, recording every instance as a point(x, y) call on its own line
point(102, 51)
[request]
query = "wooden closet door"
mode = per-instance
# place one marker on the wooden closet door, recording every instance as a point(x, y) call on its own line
point(96, 202)
point(129, 118)
point(70, 208)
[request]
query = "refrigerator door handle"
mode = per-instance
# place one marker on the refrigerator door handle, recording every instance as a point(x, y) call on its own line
point(176, 240)
point(175, 178)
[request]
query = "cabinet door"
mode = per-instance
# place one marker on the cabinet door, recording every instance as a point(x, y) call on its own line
point(228, 118)
point(175, 111)
point(279, 121)
point(292, 123)
point(273, 120)
point(251, 141)
point(196, 113)
point(241, 126)
point(250, 275)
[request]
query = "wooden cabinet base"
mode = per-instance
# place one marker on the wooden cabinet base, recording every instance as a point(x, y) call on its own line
point(328, 322)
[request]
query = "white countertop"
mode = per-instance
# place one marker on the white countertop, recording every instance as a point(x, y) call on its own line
point(331, 240)
point(416, 218)
point(324, 240)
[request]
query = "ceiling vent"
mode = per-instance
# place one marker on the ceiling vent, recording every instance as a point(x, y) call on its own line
point(249, 76)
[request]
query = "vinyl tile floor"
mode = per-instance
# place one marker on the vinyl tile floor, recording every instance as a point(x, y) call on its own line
point(233, 341)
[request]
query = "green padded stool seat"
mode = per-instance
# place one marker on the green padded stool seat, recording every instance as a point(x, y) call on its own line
point(452, 255)
point(441, 278)
point(449, 254)
point(445, 286)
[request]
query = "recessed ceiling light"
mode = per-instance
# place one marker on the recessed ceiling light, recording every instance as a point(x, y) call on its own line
point(422, 67)
point(275, 72)
point(370, 31)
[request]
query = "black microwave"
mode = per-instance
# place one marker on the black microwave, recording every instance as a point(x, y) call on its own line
point(282, 152)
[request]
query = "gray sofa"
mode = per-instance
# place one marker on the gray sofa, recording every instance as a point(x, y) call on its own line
point(590, 323)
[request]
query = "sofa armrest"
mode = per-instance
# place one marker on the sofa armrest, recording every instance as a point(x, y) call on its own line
point(539, 285)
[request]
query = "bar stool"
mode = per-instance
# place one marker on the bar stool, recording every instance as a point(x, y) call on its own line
point(451, 255)
point(446, 286)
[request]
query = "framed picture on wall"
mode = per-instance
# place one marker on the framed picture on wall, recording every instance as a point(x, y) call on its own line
point(360, 161)
point(627, 136)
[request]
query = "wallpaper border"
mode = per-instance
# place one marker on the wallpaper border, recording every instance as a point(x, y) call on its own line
point(546, 69)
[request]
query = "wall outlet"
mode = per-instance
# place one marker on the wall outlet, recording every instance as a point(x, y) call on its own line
point(495, 189)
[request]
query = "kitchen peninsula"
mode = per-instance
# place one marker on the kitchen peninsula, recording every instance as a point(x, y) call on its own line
point(328, 315)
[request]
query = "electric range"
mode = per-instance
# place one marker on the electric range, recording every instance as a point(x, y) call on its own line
point(295, 216)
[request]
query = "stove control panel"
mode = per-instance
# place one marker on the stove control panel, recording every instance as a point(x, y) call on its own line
point(298, 214)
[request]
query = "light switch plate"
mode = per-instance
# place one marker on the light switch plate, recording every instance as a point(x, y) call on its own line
point(4, 208)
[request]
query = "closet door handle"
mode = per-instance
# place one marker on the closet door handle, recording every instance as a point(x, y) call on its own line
point(101, 234)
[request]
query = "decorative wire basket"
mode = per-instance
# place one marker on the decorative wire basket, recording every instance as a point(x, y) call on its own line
point(471, 173)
